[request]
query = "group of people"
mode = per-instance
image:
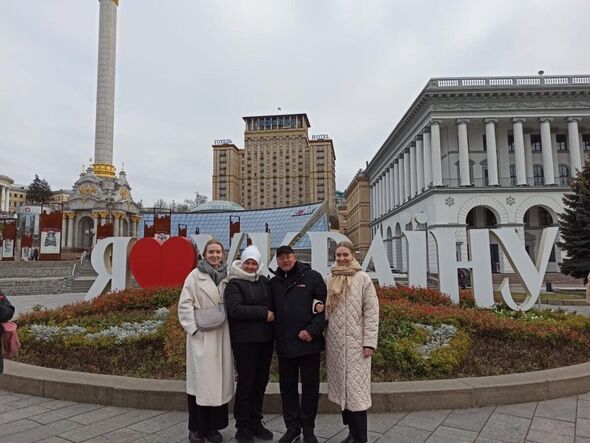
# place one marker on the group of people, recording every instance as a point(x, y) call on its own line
point(296, 313)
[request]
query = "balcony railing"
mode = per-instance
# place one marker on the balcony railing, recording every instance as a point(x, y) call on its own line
point(554, 80)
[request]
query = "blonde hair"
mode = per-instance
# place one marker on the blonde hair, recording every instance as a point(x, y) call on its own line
point(348, 245)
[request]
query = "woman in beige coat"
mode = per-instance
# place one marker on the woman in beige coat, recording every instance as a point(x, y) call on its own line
point(352, 310)
point(209, 362)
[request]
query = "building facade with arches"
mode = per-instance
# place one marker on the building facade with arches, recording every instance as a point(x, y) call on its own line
point(481, 152)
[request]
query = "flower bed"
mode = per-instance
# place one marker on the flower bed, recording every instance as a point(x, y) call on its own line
point(422, 336)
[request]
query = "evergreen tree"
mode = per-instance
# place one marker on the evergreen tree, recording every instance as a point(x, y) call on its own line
point(574, 225)
point(39, 191)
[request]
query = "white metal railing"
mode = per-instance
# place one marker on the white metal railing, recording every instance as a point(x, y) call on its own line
point(511, 81)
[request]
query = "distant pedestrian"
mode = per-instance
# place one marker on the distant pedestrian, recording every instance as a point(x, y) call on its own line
point(352, 311)
point(35, 254)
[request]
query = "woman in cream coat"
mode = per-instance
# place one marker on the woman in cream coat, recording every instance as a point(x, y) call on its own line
point(352, 311)
point(209, 362)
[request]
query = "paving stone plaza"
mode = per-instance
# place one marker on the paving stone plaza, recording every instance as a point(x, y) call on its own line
point(24, 418)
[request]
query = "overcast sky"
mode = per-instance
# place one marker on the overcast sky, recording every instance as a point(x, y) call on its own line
point(188, 71)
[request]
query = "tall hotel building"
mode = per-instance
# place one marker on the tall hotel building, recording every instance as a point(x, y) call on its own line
point(481, 152)
point(279, 166)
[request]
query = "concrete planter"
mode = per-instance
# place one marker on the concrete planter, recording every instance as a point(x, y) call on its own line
point(110, 390)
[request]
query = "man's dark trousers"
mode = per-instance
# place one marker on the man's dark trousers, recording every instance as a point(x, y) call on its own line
point(295, 414)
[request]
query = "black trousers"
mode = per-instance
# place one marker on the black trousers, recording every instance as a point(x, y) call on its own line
point(253, 366)
point(357, 424)
point(296, 414)
point(203, 419)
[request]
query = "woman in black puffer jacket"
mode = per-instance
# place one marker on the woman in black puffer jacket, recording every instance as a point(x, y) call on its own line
point(247, 298)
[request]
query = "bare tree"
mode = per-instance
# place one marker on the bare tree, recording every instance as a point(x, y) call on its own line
point(160, 204)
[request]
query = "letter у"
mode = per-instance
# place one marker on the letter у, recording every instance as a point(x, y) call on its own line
point(530, 274)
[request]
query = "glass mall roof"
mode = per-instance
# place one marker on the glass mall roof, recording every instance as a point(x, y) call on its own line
point(280, 222)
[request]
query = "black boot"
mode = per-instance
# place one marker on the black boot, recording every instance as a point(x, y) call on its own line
point(214, 436)
point(195, 437)
point(309, 436)
point(261, 432)
point(291, 435)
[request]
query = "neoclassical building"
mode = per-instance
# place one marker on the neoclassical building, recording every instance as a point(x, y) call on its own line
point(5, 185)
point(481, 152)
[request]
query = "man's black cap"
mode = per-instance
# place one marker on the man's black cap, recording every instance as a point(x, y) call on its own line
point(285, 249)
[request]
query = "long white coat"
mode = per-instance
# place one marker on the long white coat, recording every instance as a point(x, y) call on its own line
point(352, 325)
point(209, 360)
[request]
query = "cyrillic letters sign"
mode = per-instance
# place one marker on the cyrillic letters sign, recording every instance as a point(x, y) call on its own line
point(155, 263)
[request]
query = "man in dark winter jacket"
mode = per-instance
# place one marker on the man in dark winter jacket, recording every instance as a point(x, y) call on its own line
point(299, 341)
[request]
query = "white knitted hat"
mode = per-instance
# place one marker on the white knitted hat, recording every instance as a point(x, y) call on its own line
point(251, 252)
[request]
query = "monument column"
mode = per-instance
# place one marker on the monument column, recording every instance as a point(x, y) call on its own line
point(105, 91)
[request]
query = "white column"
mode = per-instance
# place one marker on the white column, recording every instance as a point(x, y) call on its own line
point(436, 155)
point(116, 226)
point(373, 201)
point(427, 158)
point(377, 199)
point(396, 199)
point(95, 227)
point(528, 159)
point(574, 145)
point(407, 179)
point(4, 195)
point(388, 191)
point(547, 148)
point(70, 241)
point(381, 196)
point(105, 95)
point(419, 164)
point(64, 227)
point(402, 180)
point(519, 151)
point(464, 176)
point(413, 171)
point(492, 151)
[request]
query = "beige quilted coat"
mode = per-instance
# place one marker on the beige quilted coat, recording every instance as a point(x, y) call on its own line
point(352, 325)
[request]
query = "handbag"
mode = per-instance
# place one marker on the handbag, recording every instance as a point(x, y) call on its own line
point(9, 339)
point(210, 318)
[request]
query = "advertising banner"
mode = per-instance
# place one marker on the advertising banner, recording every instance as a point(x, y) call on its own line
point(7, 248)
point(50, 241)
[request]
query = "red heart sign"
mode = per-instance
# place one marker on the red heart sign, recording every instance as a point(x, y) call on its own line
point(156, 264)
